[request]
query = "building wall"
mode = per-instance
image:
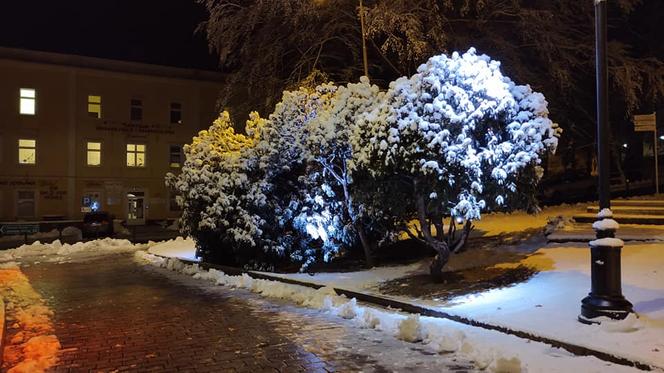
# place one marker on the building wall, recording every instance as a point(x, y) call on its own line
point(62, 126)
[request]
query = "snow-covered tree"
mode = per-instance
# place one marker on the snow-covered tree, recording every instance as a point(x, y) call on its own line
point(454, 140)
point(219, 192)
point(330, 211)
point(281, 155)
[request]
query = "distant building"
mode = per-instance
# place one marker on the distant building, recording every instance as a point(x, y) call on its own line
point(80, 133)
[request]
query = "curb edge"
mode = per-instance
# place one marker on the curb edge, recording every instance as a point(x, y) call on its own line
point(424, 311)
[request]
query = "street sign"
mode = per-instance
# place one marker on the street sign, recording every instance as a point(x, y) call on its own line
point(12, 229)
point(645, 123)
point(648, 123)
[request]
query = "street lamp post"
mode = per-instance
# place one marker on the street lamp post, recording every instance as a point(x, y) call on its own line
point(364, 41)
point(605, 297)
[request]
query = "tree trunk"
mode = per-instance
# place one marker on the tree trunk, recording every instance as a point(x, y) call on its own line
point(439, 261)
point(366, 245)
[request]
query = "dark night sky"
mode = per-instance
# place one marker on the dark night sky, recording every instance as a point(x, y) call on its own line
point(151, 31)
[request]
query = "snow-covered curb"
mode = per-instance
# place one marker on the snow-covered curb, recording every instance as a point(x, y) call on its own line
point(490, 350)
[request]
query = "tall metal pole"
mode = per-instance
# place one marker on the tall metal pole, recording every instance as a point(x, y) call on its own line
point(605, 297)
point(602, 77)
point(654, 146)
point(364, 41)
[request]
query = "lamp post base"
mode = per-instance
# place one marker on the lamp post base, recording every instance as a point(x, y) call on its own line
point(605, 298)
point(594, 306)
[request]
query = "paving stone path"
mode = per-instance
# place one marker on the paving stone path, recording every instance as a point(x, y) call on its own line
point(112, 315)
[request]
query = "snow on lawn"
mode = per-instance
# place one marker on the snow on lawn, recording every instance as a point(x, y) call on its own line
point(58, 252)
point(359, 280)
point(490, 350)
point(520, 221)
point(34, 347)
point(181, 248)
point(548, 304)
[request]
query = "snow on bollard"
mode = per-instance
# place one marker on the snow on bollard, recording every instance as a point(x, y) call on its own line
point(610, 242)
point(606, 224)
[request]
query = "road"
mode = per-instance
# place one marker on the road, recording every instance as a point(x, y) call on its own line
point(110, 314)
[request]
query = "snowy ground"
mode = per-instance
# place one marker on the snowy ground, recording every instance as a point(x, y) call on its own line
point(34, 348)
point(490, 350)
point(181, 248)
point(548, 303)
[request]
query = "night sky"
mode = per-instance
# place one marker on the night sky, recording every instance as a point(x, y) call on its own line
point(151, 31)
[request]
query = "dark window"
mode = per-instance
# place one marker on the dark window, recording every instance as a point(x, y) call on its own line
point(25, 204)
point(136, 114)
point(173, 203)
point(175, 156)
point(176, 113)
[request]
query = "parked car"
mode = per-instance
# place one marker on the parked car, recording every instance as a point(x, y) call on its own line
point(97, 224)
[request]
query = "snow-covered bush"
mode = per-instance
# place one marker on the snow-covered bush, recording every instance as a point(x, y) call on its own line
point(330, 211)
point(282, 160)
point(219, 190)
point(454, 140)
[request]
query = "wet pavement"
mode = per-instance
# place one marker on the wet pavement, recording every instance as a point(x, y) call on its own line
point(111, 314)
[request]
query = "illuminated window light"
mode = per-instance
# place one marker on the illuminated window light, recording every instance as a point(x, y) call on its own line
point(136, 155)
point(94, 154)
point(27, 101)
point(94, 106)
point(27, 151)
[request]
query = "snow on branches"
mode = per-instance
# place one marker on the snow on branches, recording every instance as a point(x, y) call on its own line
point(454, 140)
point(461, 137)
point(215, 188)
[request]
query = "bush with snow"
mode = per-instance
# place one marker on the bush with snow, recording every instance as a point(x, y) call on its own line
point(330, 211)
point(455, 139)
point(219, 191)
point(336, 166)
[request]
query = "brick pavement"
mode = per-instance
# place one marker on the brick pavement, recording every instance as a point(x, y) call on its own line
point(112, 315)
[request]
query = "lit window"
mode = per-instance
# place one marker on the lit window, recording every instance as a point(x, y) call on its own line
point(28, 101)
point(176, 113)
point(136, 114)
point(94, 153)
point(27, 151)
point(94, 106)
point(135, 155)
point(175, 156)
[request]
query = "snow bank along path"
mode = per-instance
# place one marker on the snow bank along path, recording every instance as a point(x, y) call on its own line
point(58, 252)
point(488, 349)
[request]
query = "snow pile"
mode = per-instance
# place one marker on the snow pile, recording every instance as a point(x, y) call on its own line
point(177, 248)
point(33, 348)
point(58, 251)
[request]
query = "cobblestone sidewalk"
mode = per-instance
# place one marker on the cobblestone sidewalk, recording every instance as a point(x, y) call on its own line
point(113, 315)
